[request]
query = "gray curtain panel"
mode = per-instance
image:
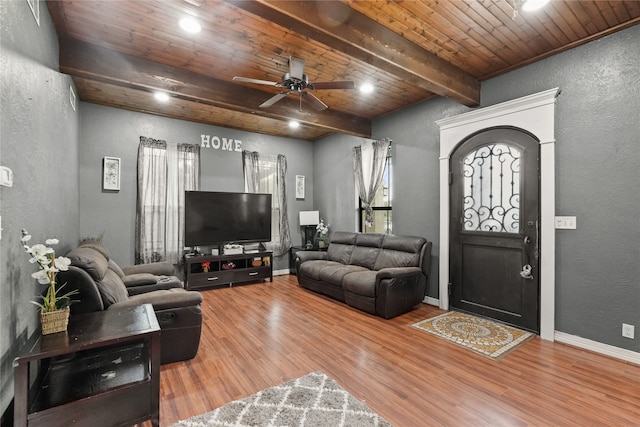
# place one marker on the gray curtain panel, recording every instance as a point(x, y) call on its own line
point(152, 200)
point(268, 174)
point(160, 202)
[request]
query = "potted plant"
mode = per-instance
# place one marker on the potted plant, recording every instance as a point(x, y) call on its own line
point(54, 306)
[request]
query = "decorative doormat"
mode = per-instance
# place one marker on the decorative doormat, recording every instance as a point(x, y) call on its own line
point(314, 400)
point(489, 338)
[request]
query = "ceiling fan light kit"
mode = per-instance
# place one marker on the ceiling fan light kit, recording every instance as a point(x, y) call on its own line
point(190, 25)
point(296, 82)
point(161, 96)
point(525, 5)
point(530, 5)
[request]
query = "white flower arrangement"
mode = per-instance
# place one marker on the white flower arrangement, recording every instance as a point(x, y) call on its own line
point(45, 257)
point(322, 230)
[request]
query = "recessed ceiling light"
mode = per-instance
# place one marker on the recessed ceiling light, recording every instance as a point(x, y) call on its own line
point(366, 88)
point(530, 5)
point(294, 124)
point(190, 25)
point(161, 96)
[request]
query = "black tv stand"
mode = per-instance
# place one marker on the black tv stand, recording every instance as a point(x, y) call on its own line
point(208, 271)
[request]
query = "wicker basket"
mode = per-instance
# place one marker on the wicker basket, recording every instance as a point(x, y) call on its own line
point(54, 321)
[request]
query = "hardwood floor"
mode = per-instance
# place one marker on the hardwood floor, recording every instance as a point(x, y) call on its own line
point(260, 335)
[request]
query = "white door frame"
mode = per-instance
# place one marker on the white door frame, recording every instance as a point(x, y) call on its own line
point(533, 113)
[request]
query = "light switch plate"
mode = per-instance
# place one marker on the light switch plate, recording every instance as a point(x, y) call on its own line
point(566, 222)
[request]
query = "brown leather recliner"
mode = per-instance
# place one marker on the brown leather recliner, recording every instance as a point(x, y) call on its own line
point(101, 286)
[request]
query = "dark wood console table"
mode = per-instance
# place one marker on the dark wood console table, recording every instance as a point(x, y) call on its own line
point(104, 371)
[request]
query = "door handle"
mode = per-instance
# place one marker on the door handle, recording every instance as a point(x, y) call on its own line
point(526, 272)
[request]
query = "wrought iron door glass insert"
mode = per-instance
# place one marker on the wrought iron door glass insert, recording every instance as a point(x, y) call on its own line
point(492, 189)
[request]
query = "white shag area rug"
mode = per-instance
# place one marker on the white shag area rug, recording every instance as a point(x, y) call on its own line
point(314, 400)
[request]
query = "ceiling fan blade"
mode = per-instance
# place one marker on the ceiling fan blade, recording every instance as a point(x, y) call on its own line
point(256, 81)
point(269, 102)
point(296, 67)
point(315, 103)
point(338, 84)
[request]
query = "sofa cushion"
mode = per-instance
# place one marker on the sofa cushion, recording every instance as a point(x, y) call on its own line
point(366, 250)
point(335, 273)
point(360, 283)
point(341, 246)
point(116, 268)
point(89, 260)
point(96, 245)
point(112, 289)
point(400, 251)
point(312, 268)
point(328, 271)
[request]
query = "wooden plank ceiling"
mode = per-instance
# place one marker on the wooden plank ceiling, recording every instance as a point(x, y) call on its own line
point(120, 52)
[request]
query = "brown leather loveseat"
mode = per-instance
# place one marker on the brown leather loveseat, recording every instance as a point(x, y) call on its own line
point(382, 274)
point(103, 285)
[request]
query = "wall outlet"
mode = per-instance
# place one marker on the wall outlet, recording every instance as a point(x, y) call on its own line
point(628, 331)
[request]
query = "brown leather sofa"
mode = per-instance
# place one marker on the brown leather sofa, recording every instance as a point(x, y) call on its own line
point(101, 286)
point(382, 274)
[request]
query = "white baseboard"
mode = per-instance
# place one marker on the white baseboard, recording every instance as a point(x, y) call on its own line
point(598, 347)
point(281, 272)
point(431, 301)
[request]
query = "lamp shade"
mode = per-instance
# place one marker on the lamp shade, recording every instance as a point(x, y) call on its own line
point(309, 217)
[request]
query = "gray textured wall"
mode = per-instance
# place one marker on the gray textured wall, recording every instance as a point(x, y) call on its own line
point(597, 164)
point(38, 141)
point(106, 131)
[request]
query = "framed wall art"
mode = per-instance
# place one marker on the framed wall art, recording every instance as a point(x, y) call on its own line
point(111, 173)
point(299, 186)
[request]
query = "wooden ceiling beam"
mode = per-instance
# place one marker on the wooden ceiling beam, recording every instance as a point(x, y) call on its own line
point(92, 62)
point(339, 27)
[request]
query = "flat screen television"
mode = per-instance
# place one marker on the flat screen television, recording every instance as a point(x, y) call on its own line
point(217, 218)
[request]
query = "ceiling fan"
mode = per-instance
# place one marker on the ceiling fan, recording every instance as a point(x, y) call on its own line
point(296, 82)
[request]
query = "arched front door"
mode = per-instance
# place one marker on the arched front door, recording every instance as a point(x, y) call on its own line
point(494, 227)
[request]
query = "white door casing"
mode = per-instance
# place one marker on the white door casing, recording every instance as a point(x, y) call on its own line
point(533, 113)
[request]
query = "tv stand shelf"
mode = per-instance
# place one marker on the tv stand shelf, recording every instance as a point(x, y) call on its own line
point(206, 271)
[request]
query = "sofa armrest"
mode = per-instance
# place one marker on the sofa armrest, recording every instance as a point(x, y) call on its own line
point(139, 279)
point(155, 268)
point(398, 290)
point(89, 297)
point(302, 256)
point(393, 272)
point(163, 299)
point(310, 255)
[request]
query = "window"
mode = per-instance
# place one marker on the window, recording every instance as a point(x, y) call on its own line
point(268, 183)
point(382, 205)
point(165, 171)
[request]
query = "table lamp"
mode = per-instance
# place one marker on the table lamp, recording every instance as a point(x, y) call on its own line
point(308, 222)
